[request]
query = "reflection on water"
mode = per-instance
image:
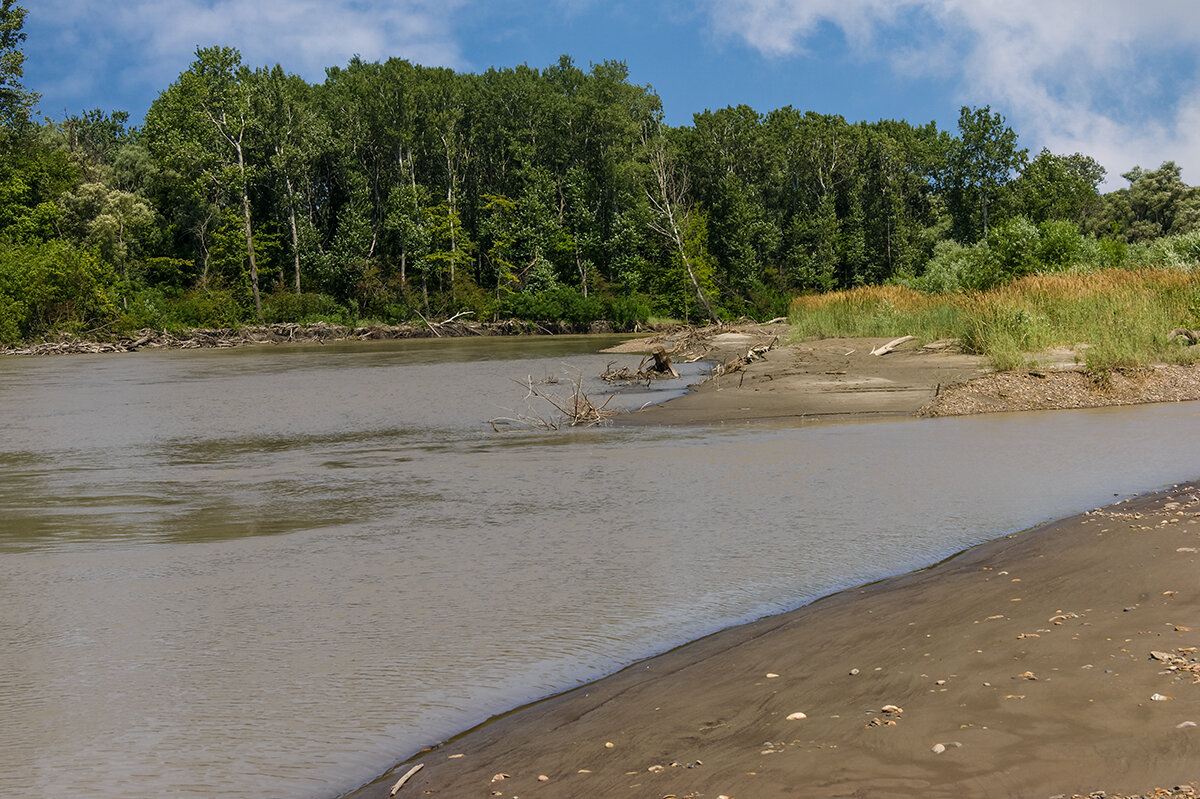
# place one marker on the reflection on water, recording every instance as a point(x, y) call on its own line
point(277, 571)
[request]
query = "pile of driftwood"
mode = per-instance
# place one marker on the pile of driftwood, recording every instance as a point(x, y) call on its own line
point(575, 409)
point(655, 366)
point(317, 332)
point(742, 361)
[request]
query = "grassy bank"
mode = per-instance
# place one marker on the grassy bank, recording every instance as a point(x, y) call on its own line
point(1124, 317)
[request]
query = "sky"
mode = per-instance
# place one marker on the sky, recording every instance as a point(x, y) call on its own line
point(1113, 79)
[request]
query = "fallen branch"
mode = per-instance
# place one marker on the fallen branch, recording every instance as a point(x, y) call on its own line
point(432, 328)
point(1192, 336)
point(575, 410)
point(891, 345)
point(404, 779)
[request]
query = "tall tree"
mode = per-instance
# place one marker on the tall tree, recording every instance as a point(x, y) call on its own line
point(984, 160)
point(201, 126)
point(675, 221)
point(1058, 187)
point(15, 100)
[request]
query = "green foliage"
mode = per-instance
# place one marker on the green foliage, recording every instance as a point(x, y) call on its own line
point(626, 312)
point(551, 195)
point(208, 308)
point(557, 304)
point(283, 306)
point(46, 287)
point(15, 101)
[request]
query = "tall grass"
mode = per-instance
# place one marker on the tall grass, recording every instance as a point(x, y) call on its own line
point(1121, 317)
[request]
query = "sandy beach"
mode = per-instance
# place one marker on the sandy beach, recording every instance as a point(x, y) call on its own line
point(1059, 662)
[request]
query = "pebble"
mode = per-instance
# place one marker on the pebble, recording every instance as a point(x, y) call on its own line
point(771, 675)
point(853, 672)
point(1159, 698)
point(797, 716)
point(1183, 725)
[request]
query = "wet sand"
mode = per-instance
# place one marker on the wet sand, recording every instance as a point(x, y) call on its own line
point(1055, 662)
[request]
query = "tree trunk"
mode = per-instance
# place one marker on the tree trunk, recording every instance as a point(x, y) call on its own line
point(249, 234)
point(295, 235)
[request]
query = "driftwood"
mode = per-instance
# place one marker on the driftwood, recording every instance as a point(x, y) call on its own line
point(741, 362)
point(1192, 336)
point(285, 332)
point(404, 779)
point(574, 410)
point(662, 362)
point(891, 345)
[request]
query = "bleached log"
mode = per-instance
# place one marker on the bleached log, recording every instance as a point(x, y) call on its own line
point(400, 784)
point(891, 345)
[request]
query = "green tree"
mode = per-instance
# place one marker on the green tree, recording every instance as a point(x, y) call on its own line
point(15, 100)
point(1157, 203)
point(982, 163)
point(201, 126)
point(1058, 187)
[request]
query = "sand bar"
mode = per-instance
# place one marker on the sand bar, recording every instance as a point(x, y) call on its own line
point(1056, 662)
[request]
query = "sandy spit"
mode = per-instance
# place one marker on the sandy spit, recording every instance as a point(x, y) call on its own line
point(1058, 662)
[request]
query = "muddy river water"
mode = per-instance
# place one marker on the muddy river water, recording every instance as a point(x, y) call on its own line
point(277, 571)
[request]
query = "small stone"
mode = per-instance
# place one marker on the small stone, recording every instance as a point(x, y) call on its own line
point(892, 709)
point(853, 672)
point(543, 778)
point(609, 745)
point(499, 777)
point(939, 748)
point(1183, 725)
point(655, 769)
point(1159, 698)
point(771, 675)
point(797, 716)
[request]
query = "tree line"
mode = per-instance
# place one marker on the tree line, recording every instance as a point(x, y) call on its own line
point(392, 191)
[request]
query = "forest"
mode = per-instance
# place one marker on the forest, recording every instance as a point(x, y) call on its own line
point(393, 192)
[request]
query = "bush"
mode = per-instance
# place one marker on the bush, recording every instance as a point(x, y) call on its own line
point(1060, 245)
point(304, 308)
point(51, 286)
point(626, 312)
point(556, 305)
point(207, 308)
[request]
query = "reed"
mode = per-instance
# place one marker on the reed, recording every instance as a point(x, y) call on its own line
point(1117, 317)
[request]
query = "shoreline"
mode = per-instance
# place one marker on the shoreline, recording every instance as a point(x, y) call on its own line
point(292, 333)
point(1024, 666)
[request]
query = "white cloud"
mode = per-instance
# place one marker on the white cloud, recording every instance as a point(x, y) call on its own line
point(147, 43)
point(1100, 77)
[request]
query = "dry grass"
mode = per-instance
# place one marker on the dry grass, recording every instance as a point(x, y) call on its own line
point(1121, 316)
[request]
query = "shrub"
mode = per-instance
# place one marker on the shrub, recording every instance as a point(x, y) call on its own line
point(625, 312)
point(51, 286)
point(304, 308)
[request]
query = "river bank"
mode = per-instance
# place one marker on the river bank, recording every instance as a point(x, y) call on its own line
point(843, 378)
point(291, 333)
point(1056, 662)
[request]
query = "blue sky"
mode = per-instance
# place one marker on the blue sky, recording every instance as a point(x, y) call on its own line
point(1116, 80)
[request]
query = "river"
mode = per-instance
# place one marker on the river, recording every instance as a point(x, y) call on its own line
point(276, 571)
